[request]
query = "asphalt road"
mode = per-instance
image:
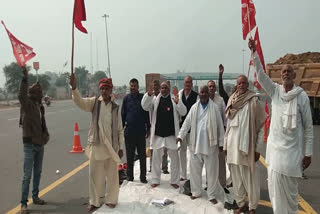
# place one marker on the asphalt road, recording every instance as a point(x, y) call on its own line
point(71, 196)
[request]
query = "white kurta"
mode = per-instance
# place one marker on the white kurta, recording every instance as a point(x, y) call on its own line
point(184, 145)
point(203, 152)
point(285, 147)
point(244, 181)
point(150, 103)
point(103, 165)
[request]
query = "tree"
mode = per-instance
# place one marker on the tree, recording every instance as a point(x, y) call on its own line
point(62, 80)
point(13, 74)
point(97, 76)
point(81, 74)
point(53, 77)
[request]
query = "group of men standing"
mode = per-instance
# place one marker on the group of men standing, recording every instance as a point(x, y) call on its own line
point(218, 130)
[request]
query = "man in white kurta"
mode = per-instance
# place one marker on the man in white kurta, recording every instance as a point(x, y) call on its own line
point(290, 141)
point(244, 131)
point(104, 155)
point(206, 137)
point(158, 143)
point(188, 97)
point(222, 108)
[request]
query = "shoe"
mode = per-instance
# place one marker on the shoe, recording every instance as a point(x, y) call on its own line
point(24, 209)
point(39, 201)
point(229, 185)
point(229, 206)
point(226, 190)
point(242, 209)
point(144, 181)
point(165, 172)
point(129, 179)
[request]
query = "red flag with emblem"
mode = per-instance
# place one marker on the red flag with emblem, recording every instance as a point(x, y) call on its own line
point(79, 14)
point(21, 51)
point(248, 13)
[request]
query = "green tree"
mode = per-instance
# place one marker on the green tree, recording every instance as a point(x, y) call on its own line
point(13, 74)
point(97, 76)
point(81, 74)
point(62, 80)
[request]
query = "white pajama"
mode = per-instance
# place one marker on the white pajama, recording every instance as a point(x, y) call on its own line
point(214, 189)
point(101, 172)
point(174, 165)
point(183, 156)
point(245, 183)
point(283, 192)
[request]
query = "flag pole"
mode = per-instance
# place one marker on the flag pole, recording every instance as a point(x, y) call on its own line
point(72, 52)
point(248, 13)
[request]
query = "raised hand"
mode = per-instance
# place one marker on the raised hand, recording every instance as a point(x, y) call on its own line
point(73, 81)
point(176, 98)
point(221, 69)
point(252, 45)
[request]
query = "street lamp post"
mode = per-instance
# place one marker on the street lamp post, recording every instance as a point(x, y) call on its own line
point(105, 16)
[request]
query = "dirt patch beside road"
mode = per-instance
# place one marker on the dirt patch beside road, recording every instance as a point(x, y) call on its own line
point(308, 57)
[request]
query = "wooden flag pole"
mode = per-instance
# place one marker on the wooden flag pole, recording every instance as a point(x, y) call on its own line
point(72, 52)
point(251, 55)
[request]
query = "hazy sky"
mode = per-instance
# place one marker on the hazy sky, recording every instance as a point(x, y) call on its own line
point(156, 35)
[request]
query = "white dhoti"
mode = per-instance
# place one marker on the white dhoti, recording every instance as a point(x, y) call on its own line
point(174, 166)
point(211, 161)
point(100, 172)
point(283, 192)
point(183, 156)
point(245, 183)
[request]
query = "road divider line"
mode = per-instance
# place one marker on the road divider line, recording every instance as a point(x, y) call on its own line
point(52, 186)
point(307, 208)
point(16, 118)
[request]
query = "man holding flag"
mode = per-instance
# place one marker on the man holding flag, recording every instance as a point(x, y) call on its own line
point(290, 142)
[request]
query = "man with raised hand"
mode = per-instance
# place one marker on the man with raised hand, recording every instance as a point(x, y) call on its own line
point(105, 142)
point(164, 130)
point(290, 141)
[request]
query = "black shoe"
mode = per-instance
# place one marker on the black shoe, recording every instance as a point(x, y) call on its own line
point(229, 206)
point(144, 181)
point(165, 172)
point(205, 189)
point(229, 185)
point(136, 157)
point(226, 190)
point(129, 179)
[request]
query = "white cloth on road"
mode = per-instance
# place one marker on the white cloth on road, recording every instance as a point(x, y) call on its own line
point(283, 192)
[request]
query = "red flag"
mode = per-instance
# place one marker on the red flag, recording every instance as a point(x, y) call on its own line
point(248, 18)
point(260, 54)
point(79, 14)
point(21, 51)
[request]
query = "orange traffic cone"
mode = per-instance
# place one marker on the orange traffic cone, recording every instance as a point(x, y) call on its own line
point(77, 148)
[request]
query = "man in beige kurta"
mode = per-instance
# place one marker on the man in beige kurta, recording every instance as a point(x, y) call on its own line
point(105, 143)
point(244, 130)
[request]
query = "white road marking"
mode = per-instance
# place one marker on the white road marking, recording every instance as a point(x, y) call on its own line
point(16, 118)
